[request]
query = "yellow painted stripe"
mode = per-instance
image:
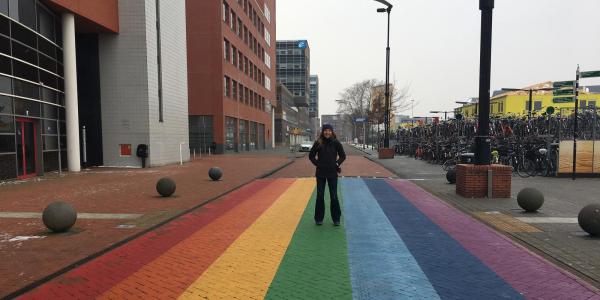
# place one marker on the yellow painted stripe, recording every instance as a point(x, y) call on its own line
point(245, 270)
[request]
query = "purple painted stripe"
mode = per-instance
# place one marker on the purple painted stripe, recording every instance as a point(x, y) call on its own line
point(527, 272)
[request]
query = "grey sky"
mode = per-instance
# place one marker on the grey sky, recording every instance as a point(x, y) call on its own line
point(435, 44)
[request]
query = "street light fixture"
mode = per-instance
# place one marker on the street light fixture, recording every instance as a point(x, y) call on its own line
point(388, 10)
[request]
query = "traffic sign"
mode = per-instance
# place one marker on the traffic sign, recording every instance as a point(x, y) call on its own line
point(589, 74)
point(563, 84)
point(563, 92)
point(563, 99)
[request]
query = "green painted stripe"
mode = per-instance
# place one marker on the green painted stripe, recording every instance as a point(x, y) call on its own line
point(315, 265)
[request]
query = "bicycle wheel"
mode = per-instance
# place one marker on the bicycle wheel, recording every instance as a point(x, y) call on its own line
point(449, 165)
point(521, 170)
point(530, 167)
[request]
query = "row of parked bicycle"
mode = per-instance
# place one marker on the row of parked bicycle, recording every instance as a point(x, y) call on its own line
point(529, 145)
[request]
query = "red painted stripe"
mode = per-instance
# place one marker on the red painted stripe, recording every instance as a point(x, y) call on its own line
point(99, 275)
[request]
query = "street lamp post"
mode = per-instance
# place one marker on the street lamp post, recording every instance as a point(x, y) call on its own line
point(388, 10)
point(482, 139)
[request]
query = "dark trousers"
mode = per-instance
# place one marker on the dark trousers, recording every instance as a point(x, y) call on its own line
point(335, 204)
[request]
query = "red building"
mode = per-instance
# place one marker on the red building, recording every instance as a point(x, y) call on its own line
point(231, 74)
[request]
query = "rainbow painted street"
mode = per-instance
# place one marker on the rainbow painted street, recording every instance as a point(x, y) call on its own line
point(396, 242)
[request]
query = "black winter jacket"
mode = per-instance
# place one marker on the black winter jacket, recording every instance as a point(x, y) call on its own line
point(327, 157)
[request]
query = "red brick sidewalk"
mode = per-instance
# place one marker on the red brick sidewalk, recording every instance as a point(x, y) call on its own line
point(106, 191)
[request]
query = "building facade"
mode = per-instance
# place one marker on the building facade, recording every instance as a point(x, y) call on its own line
point(231, 74)
point(314, 96)
point(286, 118)
point(86, 82)
point(516, 103)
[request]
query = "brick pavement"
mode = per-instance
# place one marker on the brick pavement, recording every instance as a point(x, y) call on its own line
point(562, 243)
point(420, 247)
point(105, 190)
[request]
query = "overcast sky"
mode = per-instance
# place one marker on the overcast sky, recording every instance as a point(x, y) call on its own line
point(435, 44)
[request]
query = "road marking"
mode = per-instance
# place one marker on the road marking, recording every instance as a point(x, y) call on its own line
point(93, 216)
point(246, 269)
point(548, 220)
point(505, 222)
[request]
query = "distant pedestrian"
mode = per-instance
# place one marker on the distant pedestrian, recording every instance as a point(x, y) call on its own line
point(327, 154)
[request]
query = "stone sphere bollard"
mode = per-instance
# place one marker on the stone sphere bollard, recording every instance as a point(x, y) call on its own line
point(59, 216)
point(165, 186)
point(215, 173)
point(530, 199)
point(451, 176)
point(589, 219)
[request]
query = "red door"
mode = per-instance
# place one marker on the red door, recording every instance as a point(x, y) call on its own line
point(26, 147)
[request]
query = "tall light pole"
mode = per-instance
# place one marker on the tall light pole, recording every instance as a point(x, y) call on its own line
point(388, 10)
point(482, 139)
point(412, 108)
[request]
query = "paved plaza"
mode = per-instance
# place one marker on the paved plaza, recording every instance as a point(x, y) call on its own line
point(397, 241)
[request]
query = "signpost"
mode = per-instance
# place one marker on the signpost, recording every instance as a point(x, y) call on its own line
point(578, 75)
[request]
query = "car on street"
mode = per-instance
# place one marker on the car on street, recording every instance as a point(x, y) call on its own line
point(305, 147)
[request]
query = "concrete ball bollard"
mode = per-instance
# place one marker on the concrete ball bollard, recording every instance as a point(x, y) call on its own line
point(451, 176)
point(215, 173)
point(530, 199)
point(59, 216)
point(589, 219)
point(165, 186)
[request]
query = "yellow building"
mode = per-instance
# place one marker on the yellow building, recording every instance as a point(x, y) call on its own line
point(516, 103)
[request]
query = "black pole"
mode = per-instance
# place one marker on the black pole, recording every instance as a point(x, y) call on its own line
point(386, 138)
point(574, 175)
point(530, 102)
point(482, 140)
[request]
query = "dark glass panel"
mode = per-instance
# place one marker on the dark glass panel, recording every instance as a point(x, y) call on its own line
point(23, 35)
point(61, 85)
point(48, 79)
point(27, 14)
point(50, 142)
point(46, 23)
point(5, 65)
point(49, 111)
point(47, 47)
point(4, 7)
point(50, 161)
point(26, 89)
point(47, 63)
point(24, 53)
point(27, 108)
point(4, 44)
point(5, 84)
point(8, 169)
point(7, 143)
point(7, 124)
point(50, 127)
point(25, 71)
point(49, 95)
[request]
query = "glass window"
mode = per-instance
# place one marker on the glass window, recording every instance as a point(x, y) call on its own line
point(50, 127)
point(24, 53)
point(4, 45)
point(23, 35)
point(25, 71)
point(7, 143)
point(5, 84)
point(49, 95)
point(592, 103)
point(47, 63)
point(537, 105)
point(46, 23)
point(46, 47)
point(6, 105)
point(50, 142)
point(5, 65)
point(27, 108)
point(49, 111)
point(27, 13)
point(4, 7)
point(48, 79)
point(7, 124)
point(25, 89)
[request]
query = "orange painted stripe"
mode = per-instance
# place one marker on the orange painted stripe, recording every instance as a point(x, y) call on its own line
point(172, 272)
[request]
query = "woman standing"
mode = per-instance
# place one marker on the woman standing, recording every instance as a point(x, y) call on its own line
point(327, 154)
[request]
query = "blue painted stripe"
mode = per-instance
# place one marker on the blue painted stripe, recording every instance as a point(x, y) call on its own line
point(381, 267)
point(451, 269)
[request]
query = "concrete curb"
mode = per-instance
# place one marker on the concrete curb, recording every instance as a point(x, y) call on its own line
point(122, 242)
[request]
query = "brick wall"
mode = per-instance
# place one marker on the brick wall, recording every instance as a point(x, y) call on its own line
point(472, 181)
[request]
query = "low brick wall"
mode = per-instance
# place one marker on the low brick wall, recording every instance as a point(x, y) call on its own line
point(472, 181)
point(386, 153)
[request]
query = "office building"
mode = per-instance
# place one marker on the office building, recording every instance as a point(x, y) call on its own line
point(231, 74)
point(86, 82)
